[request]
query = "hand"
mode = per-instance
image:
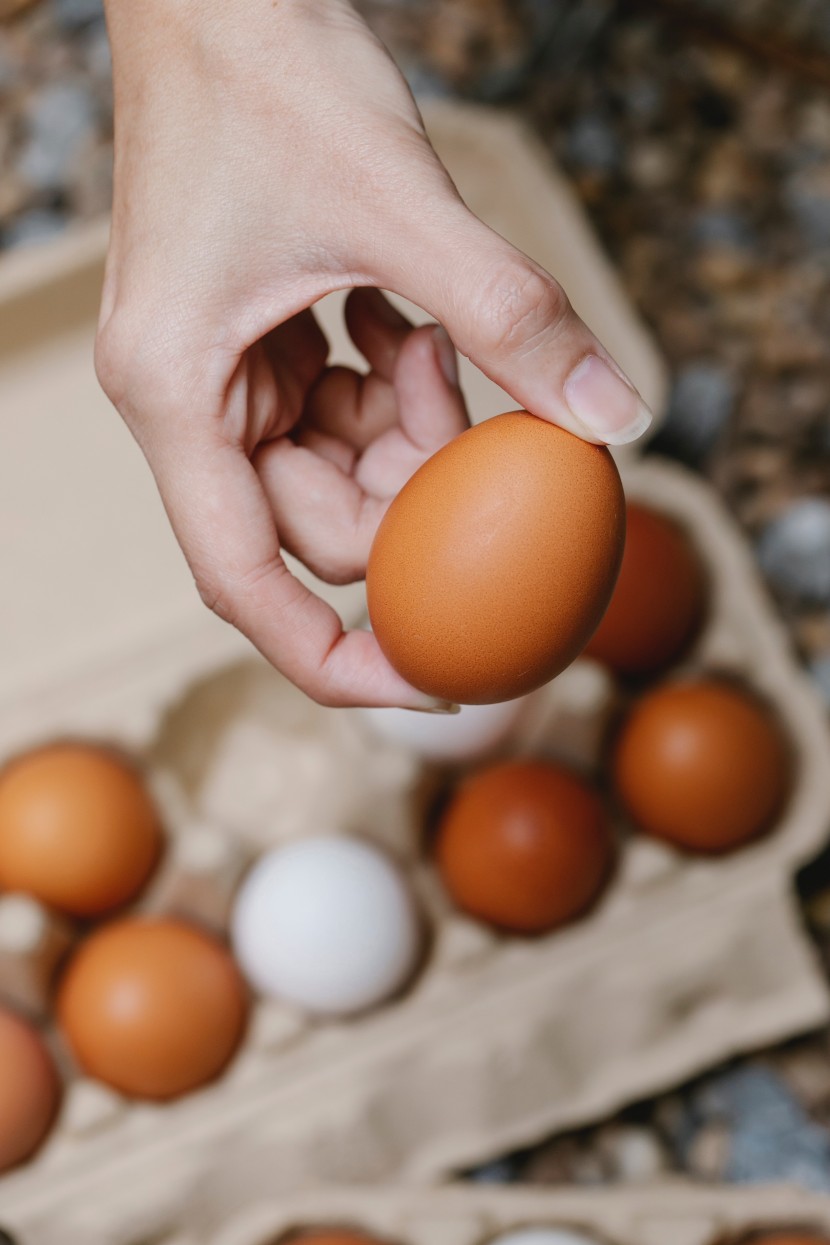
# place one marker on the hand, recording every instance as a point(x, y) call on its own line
point(268, 152)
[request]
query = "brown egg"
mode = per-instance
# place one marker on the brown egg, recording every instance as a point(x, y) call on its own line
point(78, 829)
point(659, 602)
point(153, 1007)
point(495, 562)
point(29, 1090)
point(794, 1237)
point(703, 765)
point(334, 1236)
point(524, 846)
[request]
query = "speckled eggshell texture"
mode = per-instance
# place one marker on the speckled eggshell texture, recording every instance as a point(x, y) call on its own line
point(494, 564)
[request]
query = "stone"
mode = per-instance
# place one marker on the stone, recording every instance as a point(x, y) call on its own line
point(721, 227)
point(633, 1154)
point(502, 1171)
point(806, 1070)
point(36, 225)
point(652, 164)
point(72, 15)
point(819, 670)
point(708, 1154)
point(771, 1137)
point(702, 401)
point(59, 121)
point(794, 551)
point(806, 194)
point(592, 144)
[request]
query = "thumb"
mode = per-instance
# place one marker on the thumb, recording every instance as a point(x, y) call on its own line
point(514, 321)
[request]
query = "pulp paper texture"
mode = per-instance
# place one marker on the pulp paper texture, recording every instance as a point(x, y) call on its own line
point(234, 1205)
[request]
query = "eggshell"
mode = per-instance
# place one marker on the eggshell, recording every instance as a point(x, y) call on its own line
point(29, 1090)
point(78, 829)
point(153, 1007)
point(793, 1237)
point(543, 1235)
point(524, 846)
point(495, 562)
point(703, 765)
point(328, 923)
point(333, 1236)
point(659, 601)
point(446, 738)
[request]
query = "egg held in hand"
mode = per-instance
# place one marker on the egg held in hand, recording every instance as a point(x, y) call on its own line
point(525, 846)
point(495, 563)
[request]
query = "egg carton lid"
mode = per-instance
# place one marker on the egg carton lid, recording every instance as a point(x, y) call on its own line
point(90, 566)
point(232, 1205)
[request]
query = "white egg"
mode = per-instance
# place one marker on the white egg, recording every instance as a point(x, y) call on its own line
point(544, 1236)
point(326, 923)
point(464, 736)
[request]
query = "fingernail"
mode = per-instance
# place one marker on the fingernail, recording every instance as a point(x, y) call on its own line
point(435, 706)
point(445, 354)
point(605, 403)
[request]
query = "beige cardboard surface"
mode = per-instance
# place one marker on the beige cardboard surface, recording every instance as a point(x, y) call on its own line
point(90, 569)
point(233, 1204)
point(499, 1041)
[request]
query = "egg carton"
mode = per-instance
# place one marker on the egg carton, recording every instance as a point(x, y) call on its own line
point(499, 1041)
point(236, 1206)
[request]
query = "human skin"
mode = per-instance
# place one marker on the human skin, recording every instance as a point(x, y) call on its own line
point(268, 152)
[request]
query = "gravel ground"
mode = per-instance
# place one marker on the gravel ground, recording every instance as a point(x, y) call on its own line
point(701, 149)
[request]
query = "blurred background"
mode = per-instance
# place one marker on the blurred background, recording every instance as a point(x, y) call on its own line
point(697, 135)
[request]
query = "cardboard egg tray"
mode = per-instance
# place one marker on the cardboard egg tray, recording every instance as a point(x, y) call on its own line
point(236, 1206)
point(498, 1041)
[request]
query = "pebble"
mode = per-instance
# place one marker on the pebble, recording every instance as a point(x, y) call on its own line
point(36, 225)
point(702, 402)
point(806, 194)
point(73, 15)
point(633, 1154)
point(794, 551)
point(771, 1137)
point(708, 1153)
point(723, 228)
point(592, 144)
point(502, 1171)
point(819, 670)
point(806, 1070)
point(60, 121)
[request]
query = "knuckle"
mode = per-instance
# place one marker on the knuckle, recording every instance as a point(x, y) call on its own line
point(234, 596)
point(112, 359)
point(519, 305)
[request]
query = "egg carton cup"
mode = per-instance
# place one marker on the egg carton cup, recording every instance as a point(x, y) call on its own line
point(236, 1206)
point(499, 1041)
